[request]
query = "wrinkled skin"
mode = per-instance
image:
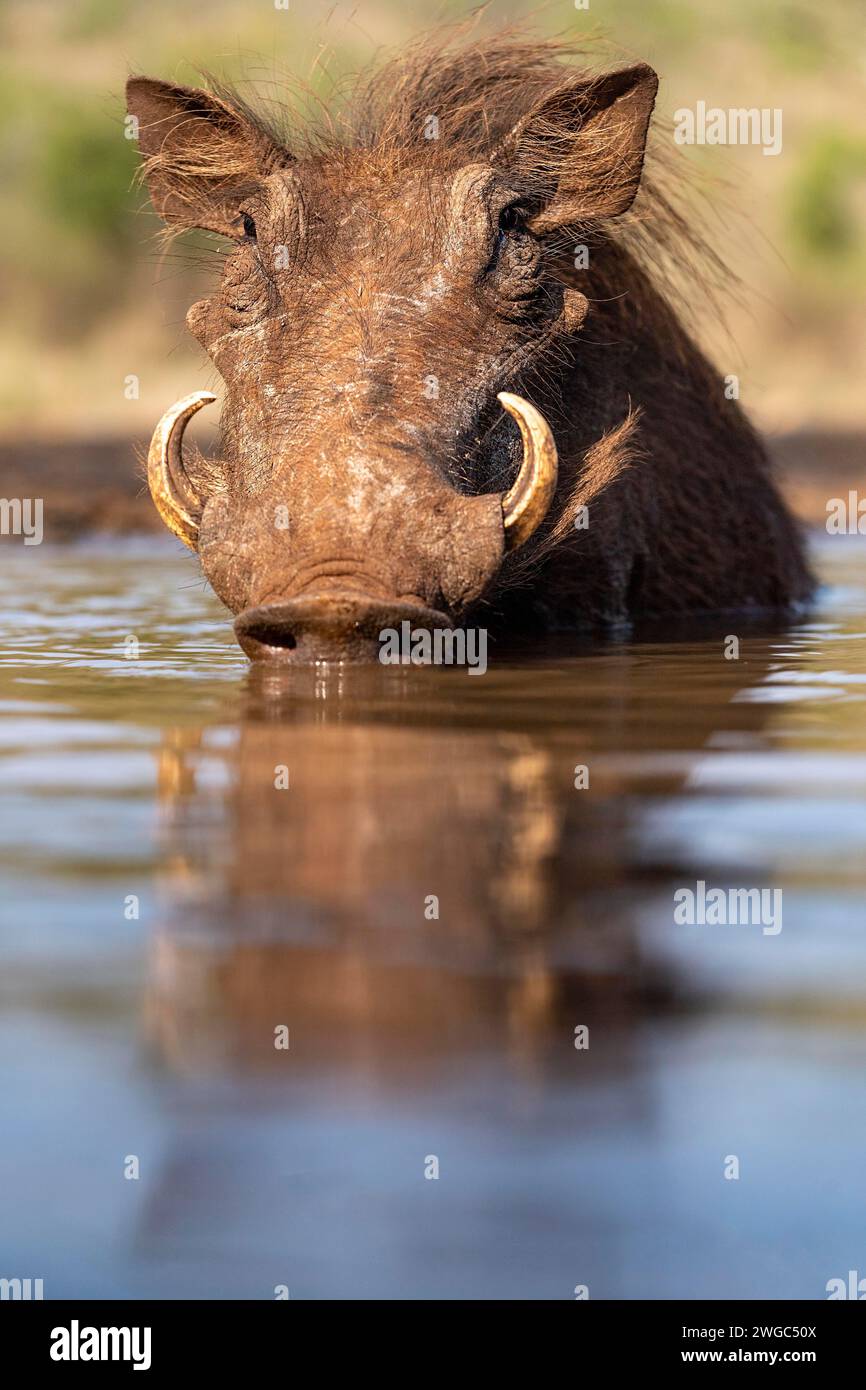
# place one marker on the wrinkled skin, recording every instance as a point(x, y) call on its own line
point(364, 450)
point(369, 313)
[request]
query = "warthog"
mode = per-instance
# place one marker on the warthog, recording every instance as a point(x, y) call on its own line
point(458, 240)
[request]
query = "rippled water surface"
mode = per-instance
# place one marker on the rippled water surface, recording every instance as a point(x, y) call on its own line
point(430, 908)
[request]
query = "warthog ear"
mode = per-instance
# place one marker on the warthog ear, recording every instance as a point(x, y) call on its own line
point(200, 152)
point(582, 147)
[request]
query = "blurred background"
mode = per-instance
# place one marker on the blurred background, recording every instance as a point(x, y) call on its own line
point(89, 300)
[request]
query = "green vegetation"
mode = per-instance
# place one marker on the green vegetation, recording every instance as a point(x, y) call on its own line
point(95, 203)
point(79, 249)
point(825, 201)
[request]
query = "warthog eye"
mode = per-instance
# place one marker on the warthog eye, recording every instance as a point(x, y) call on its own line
point(514, 256)
point(510, 220)
point(511, 228)
point(249, 227)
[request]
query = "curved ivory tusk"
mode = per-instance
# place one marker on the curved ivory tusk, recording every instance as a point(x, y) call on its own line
point(525, 505)
point(169, 485)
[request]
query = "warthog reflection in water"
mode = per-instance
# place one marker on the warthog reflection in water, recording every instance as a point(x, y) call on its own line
point(417, 886)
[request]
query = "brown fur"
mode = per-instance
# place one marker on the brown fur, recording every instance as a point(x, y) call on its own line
point(385, 235)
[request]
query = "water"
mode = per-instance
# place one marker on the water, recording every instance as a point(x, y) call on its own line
point(415, 1036)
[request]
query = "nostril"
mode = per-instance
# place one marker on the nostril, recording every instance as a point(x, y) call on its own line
point(286, 640)
point(326, 627)
point(273, 637)
point(268, 643)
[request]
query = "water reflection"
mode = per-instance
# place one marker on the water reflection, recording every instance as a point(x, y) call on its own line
point(435, 883)
point(430, 907)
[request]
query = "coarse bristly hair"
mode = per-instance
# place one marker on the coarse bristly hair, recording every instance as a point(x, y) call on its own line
point(479, 87)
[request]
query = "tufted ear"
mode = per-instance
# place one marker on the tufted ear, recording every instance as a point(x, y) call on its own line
point(583, 146)
point(201, 153)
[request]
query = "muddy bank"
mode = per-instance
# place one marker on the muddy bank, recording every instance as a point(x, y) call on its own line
point(814, 465)
point(99, 486)
point(84, 485)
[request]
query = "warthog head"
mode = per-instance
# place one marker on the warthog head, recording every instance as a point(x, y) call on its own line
point(388, 288)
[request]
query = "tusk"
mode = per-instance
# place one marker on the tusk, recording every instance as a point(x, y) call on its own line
point(525, 505)
point(170, 488)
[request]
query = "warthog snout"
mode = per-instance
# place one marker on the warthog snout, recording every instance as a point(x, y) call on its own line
point(336, 548)
point(329, 626)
